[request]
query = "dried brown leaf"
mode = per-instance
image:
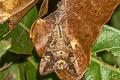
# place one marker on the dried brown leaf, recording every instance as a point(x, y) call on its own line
point(14, 10)
point(44, 8)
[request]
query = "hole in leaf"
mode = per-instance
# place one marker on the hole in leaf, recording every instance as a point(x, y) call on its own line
point(107, 57)
point(115, 19)
point(114, 75)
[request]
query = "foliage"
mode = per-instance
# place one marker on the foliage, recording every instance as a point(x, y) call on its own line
point(104, 61)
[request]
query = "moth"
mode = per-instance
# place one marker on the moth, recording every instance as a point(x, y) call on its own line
point(59, 54)
point(56, 48)
point(66, 47)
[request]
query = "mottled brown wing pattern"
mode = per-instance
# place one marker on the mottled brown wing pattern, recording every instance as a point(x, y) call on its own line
point(42, 28)
point(59, 54)
point(47, 63)
point(14, 10)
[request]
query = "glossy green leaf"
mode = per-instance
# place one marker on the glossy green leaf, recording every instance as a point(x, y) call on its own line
point(97, 71)
point(31, 69)
point(12, 73)
point(4, 46)
point(108, 39)
point(22, 68)
point(3, 29)
point(21, 43)
point(101, 68)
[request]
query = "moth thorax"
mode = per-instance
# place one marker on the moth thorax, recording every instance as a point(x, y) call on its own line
point(60, 64)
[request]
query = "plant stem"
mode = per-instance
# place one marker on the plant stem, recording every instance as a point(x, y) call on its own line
point(6, 66)
point(106, 65)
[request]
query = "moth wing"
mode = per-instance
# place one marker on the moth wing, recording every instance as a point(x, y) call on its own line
point(42, 28)
point(73, 67)
point(46, 64)
point(45, 68)
point(39, 33)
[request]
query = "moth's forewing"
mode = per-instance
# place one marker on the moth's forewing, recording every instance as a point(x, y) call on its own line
point(42, 28)
point(79, 52)
point(81, 27)
point(46, 64)
point(14, 10)
point(39, 33)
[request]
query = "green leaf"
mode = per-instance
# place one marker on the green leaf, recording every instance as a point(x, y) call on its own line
point(22, 68)
point(12, 73)
point(16, 71)
point(108, 45)
point(30, 17)
point(97, 71)
point(116, 51)
point(31, 69)
point(109, 39)
point(3, 29)
point(4, 46)
point(21, 43)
